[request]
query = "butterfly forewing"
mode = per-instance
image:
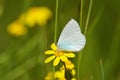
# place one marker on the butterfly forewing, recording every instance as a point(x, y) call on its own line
point(71, 38)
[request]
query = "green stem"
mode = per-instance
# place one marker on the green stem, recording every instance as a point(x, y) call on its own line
point(55, 34)
point(56, 22)
point(91, 78)
point(81, 12)
point(88, 16)
point(95, 21)
point(78, 67)
point(102, 70)
point(86, 26)
point(26, 5)
point(80, 55)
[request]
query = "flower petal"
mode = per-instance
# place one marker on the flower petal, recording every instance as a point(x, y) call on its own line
point(49, 59)
point(73, 79)
point(63, 58)
point(49, 52)
point(73, 72)
point(56, 61)
point(70, 55)
point(69, 65)
point(53, 46)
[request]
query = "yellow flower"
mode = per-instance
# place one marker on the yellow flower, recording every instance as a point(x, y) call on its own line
point(60, 74)
point(57, 55)
point(73, 72)
point(73, 79)
point(36, 15)
point(69, 65)
point(49, 76)
point(16, 29)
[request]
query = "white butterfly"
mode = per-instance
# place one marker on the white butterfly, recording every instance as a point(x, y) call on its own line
point(71, 38)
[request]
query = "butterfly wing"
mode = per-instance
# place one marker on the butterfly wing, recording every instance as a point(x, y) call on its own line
point(71, 38)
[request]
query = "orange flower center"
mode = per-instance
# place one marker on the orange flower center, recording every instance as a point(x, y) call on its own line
point(59, 53)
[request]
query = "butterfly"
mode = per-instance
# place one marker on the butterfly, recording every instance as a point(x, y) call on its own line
point(71, 39)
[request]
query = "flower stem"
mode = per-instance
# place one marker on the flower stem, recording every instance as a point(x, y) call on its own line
point(88, 16)
point(86, 26)
point(91, 78)
point(55, 33)
point(78, 67)
point(81, 12)
point(26, 5)
point(56, 22)
point(80, 55)
point(102, 70)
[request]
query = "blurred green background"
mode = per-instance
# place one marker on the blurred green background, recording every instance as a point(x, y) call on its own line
point(22, 58)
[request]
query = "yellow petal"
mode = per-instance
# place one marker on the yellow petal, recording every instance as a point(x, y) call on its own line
point(53, 46)
point(69, 64)
point(49, 59)
point(49, 76)
point(56, 61)
point(70, 55)
point(73, 72)
point(59, 74)
point(73, 79)
point(49, 52)
point(63, 58)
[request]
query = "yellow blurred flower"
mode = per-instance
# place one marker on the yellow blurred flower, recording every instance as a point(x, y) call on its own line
point(73, 72)
point(49, 76)
point(60, 74)
point(17, 29)
point(57, 55)
point(36, 15)
point(69, 65)
point(73, 79)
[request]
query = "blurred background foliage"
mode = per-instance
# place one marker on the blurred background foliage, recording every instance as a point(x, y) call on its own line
point(22, 58)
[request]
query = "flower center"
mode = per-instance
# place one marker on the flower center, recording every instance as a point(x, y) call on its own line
point(59, 53)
